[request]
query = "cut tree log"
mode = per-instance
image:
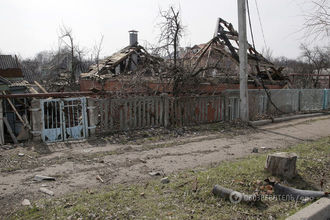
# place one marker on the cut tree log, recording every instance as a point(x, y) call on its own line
point(233, 196)
point(282, 164)
point(297, 194)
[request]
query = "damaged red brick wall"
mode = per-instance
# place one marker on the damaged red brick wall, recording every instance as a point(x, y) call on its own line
point(116, 85)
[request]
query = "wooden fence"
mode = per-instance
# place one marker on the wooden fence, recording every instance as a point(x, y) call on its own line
point(122, 114)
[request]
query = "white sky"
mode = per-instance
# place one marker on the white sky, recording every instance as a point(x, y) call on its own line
point(30, 26)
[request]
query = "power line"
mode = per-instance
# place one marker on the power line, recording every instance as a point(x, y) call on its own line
point(262, 29)
point(258, 69)
point(250, 24)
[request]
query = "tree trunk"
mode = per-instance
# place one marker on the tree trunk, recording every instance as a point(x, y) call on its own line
point(282, 164)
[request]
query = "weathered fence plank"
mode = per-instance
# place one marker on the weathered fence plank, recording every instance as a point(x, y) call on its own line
point(123, 114)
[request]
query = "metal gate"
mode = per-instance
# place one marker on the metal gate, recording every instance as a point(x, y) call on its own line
point(63, 119)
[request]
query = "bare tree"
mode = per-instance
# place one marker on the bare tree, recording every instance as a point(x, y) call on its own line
point(67, 37)
point(171, 30)
point(97, 50)
point(317, 19)
point(267, 52)
point(318, 58)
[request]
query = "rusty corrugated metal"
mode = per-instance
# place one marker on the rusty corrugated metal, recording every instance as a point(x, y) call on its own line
point(11, 73)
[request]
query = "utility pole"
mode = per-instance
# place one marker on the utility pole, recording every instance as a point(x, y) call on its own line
point(243, 61)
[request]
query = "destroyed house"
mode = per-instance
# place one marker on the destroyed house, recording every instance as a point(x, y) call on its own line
point(219, 59)
point(212, 67)
point(11, 71)
point(13, 81)
point(131, 60)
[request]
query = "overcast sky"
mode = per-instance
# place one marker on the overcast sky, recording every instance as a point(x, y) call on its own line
point(30, 26)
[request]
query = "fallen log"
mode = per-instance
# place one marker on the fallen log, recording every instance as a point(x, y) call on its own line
point(233, 196)
point(289, 193)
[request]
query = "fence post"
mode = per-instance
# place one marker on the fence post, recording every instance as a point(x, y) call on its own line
point(226, 106)
point(166, 109)
point(91, 116)
point(299, 101)
point(325, 99)
point(36, 118)
point(2, 139)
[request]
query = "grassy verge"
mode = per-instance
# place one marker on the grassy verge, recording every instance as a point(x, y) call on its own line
point(188, 195)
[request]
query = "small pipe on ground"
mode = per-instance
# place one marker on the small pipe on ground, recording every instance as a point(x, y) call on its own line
point(233, 196)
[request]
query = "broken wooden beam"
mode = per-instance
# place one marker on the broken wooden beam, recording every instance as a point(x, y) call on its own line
point(16, 112)
point(40, 87)
point(10, 131)
point(32, 90)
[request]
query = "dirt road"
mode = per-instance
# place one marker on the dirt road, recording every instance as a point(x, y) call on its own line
point(76, 166)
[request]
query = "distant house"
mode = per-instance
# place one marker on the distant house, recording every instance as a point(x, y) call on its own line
point(57, 72)
point(323, 78)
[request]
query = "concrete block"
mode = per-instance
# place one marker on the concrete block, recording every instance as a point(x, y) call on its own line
point(319, 210)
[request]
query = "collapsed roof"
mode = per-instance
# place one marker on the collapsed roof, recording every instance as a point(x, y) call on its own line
point(129, 59)
point(221, 49)
point(16, 72)
point(9, 67)
point(226, 42)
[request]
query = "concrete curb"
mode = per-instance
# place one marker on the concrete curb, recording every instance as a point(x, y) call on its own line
point(317, 210)
point(287, 118)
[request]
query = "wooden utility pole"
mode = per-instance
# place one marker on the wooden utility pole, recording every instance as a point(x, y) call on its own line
point(243, 61)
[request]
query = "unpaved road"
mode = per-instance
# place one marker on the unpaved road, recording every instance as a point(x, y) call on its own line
point(132, 163)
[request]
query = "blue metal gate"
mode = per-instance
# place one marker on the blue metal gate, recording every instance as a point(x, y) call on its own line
point(63, 119)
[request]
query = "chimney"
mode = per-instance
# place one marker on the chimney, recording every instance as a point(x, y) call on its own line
point(133, 38)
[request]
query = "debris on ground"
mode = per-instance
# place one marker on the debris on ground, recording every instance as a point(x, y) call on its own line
point(7, 147)
point(41, 178)
point(195, 185)
point(99, 178)
point(21, 154)
point(165, 180)
point(46, 191)
point(155, 173)
point(26, 202)
point(255, 150)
